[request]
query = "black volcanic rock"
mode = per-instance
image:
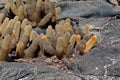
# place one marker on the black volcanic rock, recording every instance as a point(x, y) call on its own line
point(87, 9)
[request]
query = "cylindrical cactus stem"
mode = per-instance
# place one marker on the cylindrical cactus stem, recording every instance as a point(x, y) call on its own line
point(5, 48)
point(36, 15)
point(4, 13)
point(30, 7)
point(80, 46)
point(4, 26)
point(28, 30)
point(1, 40)
point(90, 43)
point(33, 35)
point(72, 39)
point(70, 47)
point(47, 46)
point(62, 22)
point(49, 31)
point(21, 13)
point(53, 39)
point(60, 48)
point(13, 7)
point(70, 30)
point(40, 43)
point(86, 29)
point(16, 18)
point(20, 49)
point(30, 51)
point(66, 38)
point(59, 29)
point(6, 9)
point(10, 27)
point(6, 42)
point(13, 43)
point(57, 10)
point(26, 35)
point(1, 18)
point(69, 50)
point(68, 20)
point(52, 10)
point(16, 30)
point(46, 5)
point(23, 25)
point(18, 3)
point(46, 19)
point(67, 26)
point(28, 1)
point(52, 7)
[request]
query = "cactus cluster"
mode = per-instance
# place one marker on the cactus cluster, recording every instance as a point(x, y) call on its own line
point(18, 38)
point(38, 12)
point(13, 35)
point(63, 41)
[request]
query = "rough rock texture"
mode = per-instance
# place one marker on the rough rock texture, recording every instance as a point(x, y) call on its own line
point(101, 63)
point(22, 71)
point(87, 9)
point(114, 70)
point(103, 60)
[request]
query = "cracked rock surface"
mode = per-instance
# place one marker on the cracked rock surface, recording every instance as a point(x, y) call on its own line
point(101, 63)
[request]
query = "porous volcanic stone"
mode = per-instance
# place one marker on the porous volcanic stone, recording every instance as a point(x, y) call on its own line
point(87, 9)
point(114, 70)
point(24, 71)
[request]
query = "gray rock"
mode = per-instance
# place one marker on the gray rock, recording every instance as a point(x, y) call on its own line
point(99, 58)
point(114, 70)
point(24, 71)
point(89, 65)
point(87, 9)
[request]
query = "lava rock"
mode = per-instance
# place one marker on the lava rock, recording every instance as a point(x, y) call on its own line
point(89, 65)
point(114, 70)
point(19, 71)
point(87, 9)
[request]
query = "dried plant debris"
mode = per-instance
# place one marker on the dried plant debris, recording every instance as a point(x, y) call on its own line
point(38, 12)
point(19, 39)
